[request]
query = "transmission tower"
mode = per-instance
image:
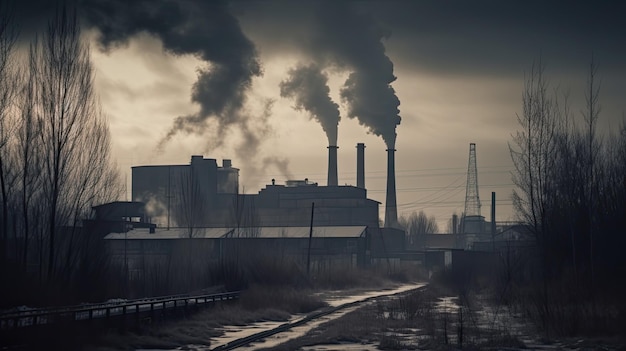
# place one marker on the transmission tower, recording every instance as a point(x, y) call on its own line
point(472, 201)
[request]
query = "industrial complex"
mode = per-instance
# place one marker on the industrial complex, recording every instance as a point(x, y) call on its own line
point(300, 219)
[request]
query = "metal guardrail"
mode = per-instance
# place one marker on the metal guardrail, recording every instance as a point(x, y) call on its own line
point(106, 303)
point(35, 317)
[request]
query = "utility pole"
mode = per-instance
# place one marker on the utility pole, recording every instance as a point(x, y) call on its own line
point(308, 257)
point(169, 184)
point(493, 221)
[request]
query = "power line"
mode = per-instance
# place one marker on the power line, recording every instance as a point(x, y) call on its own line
point(434, 188)
point(399, 173)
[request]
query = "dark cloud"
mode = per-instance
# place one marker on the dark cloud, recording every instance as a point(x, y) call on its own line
point(31, 16)
point(497, 38)
point(307, 86)
point(484, 38)
point(457, 37)
point(205, 29)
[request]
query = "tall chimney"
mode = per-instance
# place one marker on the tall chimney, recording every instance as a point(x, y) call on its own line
point(360, 165)
point(391, 211)
point(332, 165)
point(455, 223)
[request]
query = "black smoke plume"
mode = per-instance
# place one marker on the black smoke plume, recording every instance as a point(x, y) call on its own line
point(307, 86)
point(353, 41)
point(205, 29)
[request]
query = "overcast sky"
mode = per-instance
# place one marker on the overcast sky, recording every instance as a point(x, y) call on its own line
point(178, 78)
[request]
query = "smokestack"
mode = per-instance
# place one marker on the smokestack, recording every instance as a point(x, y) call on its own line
point(360, 165)
point(455, 223)
point(391, 211)
point(332, 165)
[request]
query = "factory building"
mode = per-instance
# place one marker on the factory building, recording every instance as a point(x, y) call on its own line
point(200, 201)
point(341, 246)
point(171, 192)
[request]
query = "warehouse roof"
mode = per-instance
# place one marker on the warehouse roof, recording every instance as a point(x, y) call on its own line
point(251, 232)
point(300, 232)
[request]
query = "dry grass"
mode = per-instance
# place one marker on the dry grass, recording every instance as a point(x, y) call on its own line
point(287, 299)
point(255, 305)
point(405, 322)
point(372, 323)
point(263, 300)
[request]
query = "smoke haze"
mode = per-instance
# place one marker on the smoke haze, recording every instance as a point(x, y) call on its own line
point(205, 29)
point(307, 86)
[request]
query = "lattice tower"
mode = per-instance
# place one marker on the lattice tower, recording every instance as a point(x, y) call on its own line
point(472, 200)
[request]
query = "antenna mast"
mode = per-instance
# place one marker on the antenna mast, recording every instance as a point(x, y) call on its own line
point(472, 200)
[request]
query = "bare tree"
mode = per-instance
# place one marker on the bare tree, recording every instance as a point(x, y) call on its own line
point(93, 182)
point(244, 217)
point(533, 150)
point(190, 212)
point(66, 100)
point(591, 115)
point(571, 192)
point(8, 90)
point(76, 169)
point(191, 203)
point(534, 153)
point(418, 224)
point(28, 150)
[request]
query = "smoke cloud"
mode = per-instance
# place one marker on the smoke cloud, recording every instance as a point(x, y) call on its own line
point(205, 29)
point(253, 134)
point(353, 41)
point(307, 86)
point(281, 164)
